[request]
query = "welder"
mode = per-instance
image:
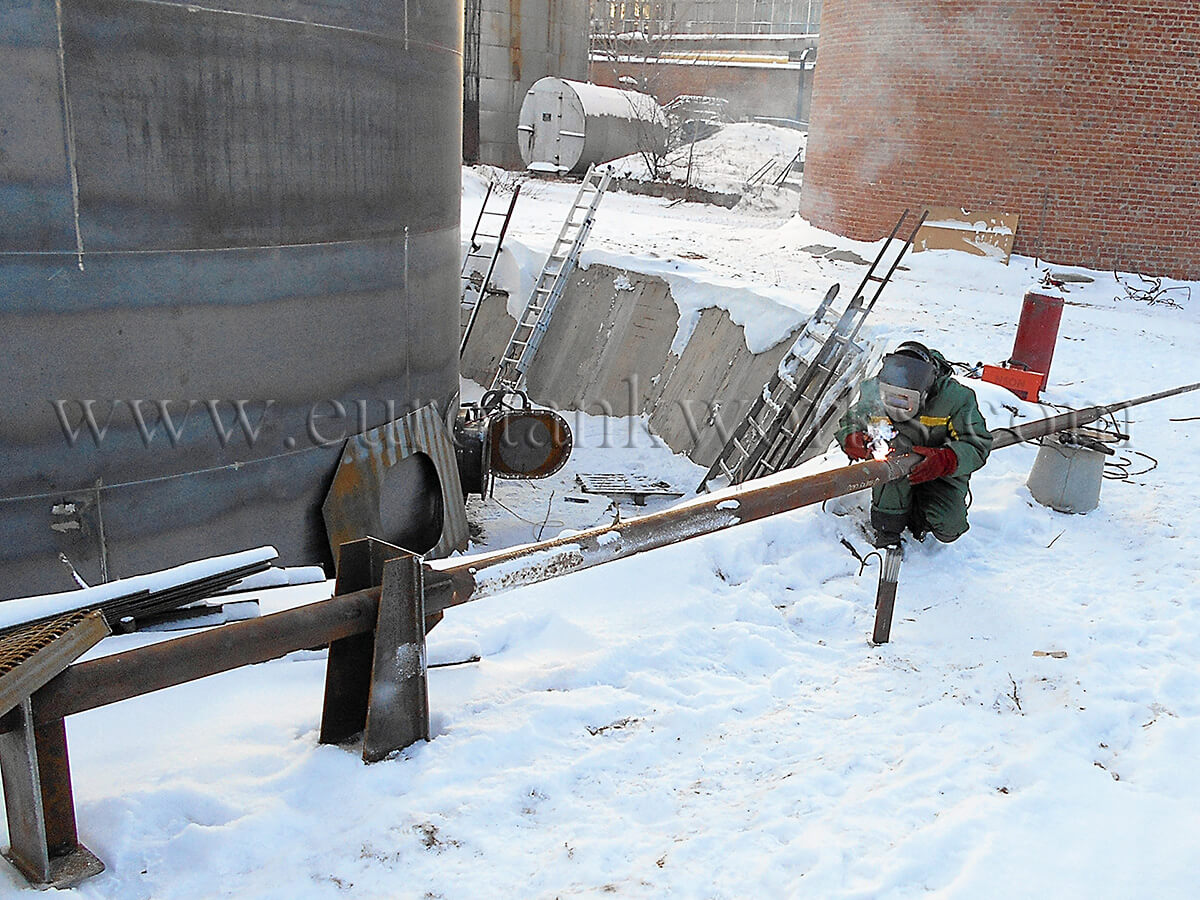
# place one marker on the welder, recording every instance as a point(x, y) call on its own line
point(915, 404)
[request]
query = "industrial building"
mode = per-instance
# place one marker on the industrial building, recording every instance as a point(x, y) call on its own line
point(507, 47)
point(1079, 119)
point(757, 56)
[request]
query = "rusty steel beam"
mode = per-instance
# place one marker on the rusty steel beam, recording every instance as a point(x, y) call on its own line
point(450, 583)
point(98, 682)
point(453, 582)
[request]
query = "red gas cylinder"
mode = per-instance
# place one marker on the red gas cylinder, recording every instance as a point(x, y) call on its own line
point(1037, 333)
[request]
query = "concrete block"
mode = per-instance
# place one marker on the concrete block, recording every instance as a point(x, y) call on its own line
point(612, 334)
point(708, 390)
point(607, 351)
point(493, 328)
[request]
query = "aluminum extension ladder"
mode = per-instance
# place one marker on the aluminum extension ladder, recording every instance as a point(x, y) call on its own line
point(535, 319)
point(789, 412)
point(474, 291)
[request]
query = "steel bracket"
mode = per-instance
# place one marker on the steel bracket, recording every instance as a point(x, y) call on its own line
point(398, 704)
point(376, 683)
point(40, 806)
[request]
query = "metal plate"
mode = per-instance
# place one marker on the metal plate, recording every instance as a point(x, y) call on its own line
point(381, 488)
point(533, 443)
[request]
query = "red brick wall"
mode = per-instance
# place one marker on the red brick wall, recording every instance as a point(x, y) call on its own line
point(1082, 117)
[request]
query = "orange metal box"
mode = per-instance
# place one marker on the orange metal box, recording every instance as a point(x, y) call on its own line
point(1022, 382)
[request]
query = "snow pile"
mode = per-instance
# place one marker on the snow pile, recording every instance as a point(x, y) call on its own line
point(709, 720)
point(725, 161)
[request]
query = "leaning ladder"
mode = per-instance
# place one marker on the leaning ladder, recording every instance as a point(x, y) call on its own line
point(474, 291)
point(789, 413)
point(535, 319)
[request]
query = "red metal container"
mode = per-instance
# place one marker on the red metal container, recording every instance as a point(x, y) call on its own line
point(1037, 333)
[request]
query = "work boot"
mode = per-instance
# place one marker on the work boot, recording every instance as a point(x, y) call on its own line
point(886, 528)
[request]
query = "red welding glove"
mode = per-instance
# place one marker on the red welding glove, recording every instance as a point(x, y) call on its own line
point(855, 445)
point(938, 461)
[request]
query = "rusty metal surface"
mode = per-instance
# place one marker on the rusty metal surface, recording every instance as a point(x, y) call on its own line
point(40, 806)
point(399, 483)
point(449, 583)
point(18, 645)
point(489, 574)
point(398, 710)
point(29, 851)
point(529, 443)
point(98, 682)
point(32, 655)
point(348, 669)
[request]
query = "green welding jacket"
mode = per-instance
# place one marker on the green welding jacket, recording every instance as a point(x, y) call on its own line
point(949, 417)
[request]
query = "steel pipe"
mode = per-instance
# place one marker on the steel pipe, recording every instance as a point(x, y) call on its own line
point(448, 583)
point(483, 576)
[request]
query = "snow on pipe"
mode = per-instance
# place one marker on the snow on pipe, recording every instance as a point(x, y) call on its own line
point(98, 682)
point(485, 575)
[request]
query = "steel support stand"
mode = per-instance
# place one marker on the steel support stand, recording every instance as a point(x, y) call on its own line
point(398, 705)
point(40, 806)
point(348, 672)
point(376, 683)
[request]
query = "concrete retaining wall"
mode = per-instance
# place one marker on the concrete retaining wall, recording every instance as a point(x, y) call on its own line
point(608, 352)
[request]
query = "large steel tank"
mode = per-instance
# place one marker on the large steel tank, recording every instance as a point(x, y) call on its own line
point(566, 126)
point(246, 216)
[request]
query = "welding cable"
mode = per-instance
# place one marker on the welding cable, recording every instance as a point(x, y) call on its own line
point(517, 515)
point(864, 561)
point(1120, 467)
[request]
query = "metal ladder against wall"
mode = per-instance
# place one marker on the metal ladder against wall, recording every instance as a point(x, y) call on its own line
point(789, 411)
point(795, 441)
point(477, 251)
point(535, 318)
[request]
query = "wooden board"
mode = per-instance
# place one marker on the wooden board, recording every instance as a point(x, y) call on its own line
point(978, 232)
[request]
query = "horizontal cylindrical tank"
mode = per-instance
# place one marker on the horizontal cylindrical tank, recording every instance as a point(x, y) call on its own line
point(229, 238)
point(566, 126)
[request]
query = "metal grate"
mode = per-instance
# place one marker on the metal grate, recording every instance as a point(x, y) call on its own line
point(33, 654)
point(18, 646)
point(637, 486)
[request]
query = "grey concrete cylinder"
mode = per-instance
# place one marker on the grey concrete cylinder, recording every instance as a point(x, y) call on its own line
point(1066, 477)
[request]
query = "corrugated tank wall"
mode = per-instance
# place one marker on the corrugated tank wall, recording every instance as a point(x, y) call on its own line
point(230, 236)
point(521, 41)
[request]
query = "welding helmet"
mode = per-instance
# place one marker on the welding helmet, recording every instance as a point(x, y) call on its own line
point(905, 379)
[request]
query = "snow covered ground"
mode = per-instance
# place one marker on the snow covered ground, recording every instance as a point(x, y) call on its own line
point(742, 158)
point(710, 720)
